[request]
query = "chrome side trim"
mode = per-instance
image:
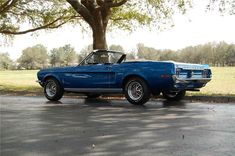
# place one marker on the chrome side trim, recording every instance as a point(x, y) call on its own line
point(83, 76)
point(94, 90)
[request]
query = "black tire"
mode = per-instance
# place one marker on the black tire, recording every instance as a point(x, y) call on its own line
point(93, 96)
point(174, 96)
point(53, 90)
point(134, 96)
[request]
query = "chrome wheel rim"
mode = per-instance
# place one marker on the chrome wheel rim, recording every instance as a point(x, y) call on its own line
point(51, 88)
point(135, 91)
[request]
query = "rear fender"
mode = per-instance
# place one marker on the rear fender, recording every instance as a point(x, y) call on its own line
point(127, 77)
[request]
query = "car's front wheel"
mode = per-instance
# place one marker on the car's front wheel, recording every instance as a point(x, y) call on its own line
point(137, 91)
point(53, 90)
point(174, 96)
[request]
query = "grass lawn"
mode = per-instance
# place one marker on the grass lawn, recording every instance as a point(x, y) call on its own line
point(222, 83)
point(19, 81)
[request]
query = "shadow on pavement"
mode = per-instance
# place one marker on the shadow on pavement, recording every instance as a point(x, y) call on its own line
point(107, 127)
point(174, 103)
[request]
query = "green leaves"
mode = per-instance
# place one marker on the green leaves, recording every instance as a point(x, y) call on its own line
point(223, 6)
point(215, 54)
point(150, 13)
point(5, 61)
point(128, 18)
point(34, 57)
point(63, 56)
point(35, 15)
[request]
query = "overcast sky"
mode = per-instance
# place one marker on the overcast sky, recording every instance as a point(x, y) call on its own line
point(197, 27)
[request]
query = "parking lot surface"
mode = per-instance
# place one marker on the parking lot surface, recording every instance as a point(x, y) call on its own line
point(74, 126)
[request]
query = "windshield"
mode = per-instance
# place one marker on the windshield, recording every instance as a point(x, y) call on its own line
point(103, 58)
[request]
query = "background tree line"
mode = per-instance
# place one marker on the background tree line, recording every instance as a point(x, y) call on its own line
point(214, 54)
point(37, 57)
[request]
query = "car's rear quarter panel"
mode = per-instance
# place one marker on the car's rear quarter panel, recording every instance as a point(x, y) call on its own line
point(158, 75)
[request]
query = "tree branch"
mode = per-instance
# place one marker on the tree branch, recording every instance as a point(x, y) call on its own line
point(100, 2)
point(83, 11)
point(8, 4)
point(46, 26)
point(90, 5)
point(112, 4)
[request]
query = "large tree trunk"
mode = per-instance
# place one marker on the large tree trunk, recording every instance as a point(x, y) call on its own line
point(97, 14)
point(99, 29)
point(99, 38)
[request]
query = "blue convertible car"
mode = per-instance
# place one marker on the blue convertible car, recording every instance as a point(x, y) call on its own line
point(104, 71)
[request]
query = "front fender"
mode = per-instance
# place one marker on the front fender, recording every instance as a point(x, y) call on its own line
point(51, 75)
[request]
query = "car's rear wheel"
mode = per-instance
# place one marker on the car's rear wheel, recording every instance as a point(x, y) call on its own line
point(53, 90)
point(174, 96)
point(137, 91)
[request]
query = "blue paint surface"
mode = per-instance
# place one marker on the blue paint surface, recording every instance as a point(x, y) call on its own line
point(159, 75)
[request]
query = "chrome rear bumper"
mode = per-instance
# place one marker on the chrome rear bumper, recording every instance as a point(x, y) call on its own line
point(189, 80)
point(192, 84)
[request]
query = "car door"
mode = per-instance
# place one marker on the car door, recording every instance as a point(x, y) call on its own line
point(95, 72)
point(89, 76)
point(117, 75)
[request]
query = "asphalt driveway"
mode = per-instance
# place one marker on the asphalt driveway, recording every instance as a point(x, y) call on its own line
point(34, 126)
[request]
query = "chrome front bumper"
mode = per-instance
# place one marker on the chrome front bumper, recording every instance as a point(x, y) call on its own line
point(40, 82)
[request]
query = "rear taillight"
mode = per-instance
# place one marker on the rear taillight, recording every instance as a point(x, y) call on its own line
point(177, 71)
point(205, 73)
